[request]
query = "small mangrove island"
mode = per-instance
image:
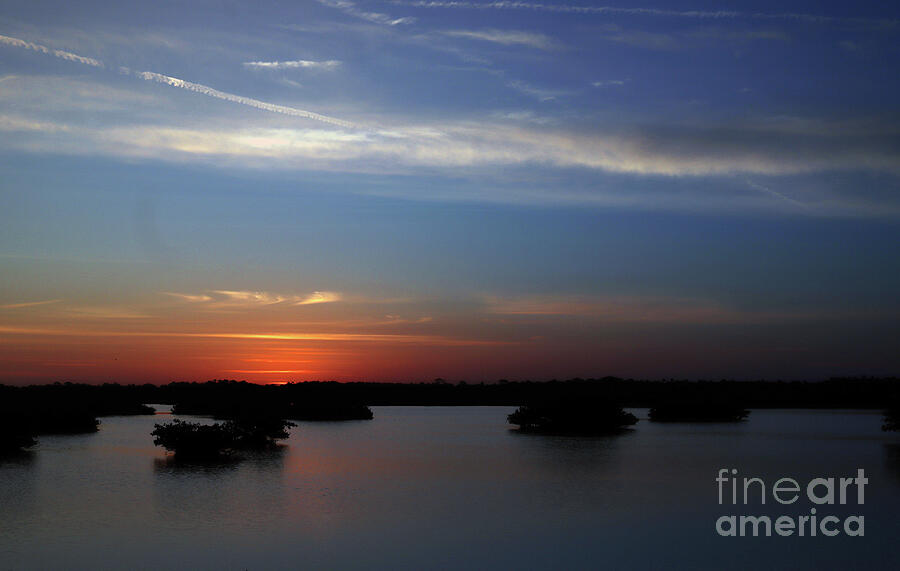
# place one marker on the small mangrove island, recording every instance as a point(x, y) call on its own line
point(192, 440)
point(572, 416)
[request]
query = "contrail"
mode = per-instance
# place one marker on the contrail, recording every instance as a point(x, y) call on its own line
point(776, 194)
point(16, 42)
point(180, 83)
point(209, 91)
point(567, 8)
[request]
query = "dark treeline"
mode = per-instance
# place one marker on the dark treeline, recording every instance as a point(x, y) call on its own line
point(62, 408)
point(305, 398)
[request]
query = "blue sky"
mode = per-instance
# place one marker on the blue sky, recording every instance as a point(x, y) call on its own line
point(483, 189)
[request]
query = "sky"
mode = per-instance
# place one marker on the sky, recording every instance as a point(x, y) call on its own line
point(403, 190)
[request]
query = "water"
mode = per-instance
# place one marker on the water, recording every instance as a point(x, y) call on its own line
point(445, 488)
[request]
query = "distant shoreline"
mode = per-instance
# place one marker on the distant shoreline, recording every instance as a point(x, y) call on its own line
point(844, 393)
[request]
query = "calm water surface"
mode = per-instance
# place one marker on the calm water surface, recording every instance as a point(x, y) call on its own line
point(445, 488)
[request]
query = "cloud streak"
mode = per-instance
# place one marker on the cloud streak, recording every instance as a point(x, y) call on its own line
point(182, 84)
point(28, 304)
point(351, 9)
point(294, 64)
point(255, 103)
point(661, 150)
point(247, 298)
point(389, 338)
point(68, 56)
point(635, 309)
point(616, 10)
point(505, 37)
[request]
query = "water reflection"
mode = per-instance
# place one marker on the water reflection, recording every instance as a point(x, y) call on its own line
point(560, 453)
point(245, 490)
point(268, 460)
point(18, 477)
point(171, 464)
point(17, 458)
point(437, 487)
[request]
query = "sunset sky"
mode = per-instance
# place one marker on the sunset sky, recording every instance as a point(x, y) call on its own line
point(403, 190)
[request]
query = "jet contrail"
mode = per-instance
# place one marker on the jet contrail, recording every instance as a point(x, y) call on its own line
point(776, 194)
point(16, 42)
point(180, 83)
point(209, 91)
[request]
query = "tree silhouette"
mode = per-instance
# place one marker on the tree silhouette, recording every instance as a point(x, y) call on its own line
point(195, 440)
point(572, 416)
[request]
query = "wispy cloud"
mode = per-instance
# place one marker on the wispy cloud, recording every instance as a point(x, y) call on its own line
point(106, 312)
point(776, 194)
point(387, 338)
point(28, 304)
point(637, 11)
point(199, 298)
point(320, 297)
point(294, 64)
point(269, 371)
point(635, 309)
point(639, 38)
point(506, 37)
point(758, 147)
point(248, 298)
point(69, 56)
point(539, 93)
point(182, 84)
point(719, 33)
point(609, 83)
point(351, 9)
point(20, 124)
point(256, 103)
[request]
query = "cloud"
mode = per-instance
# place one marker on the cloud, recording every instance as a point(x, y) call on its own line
point(506, 37)
point(539, 93)
point(351, 9)
point(182, 84)
point(210, 92)
point(269, 371)
point(763, 147)
point(16, 42)
point(678, 150)
point(635, 309)
point(609, 82)
point(28, 304)
point(248, 298)
point(636, 11)
point(295, 64)
point(105, 312)
point(639, 38)
point(8, 123)
point(776, 194)
point(320, 297)
point(200, 298)
point(717, 33)
point(387, 338)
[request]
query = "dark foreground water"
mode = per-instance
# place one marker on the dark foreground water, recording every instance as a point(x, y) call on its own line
point(439, 488)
